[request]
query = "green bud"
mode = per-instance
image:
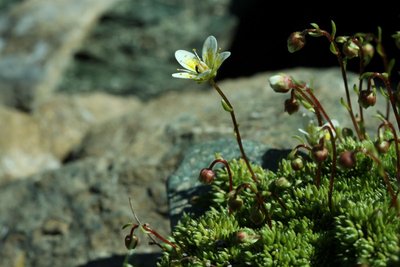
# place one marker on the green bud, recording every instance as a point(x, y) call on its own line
point(257, 216)
point(235, 203)
point(281, 83)
point(297, 163)
point(131, 241)
point(295, 42)
point(350, 49)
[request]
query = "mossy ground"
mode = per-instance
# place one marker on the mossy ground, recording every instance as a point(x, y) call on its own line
point(361, 228)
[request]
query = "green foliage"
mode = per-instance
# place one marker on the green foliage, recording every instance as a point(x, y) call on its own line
point(361, 228)
point(335, 205)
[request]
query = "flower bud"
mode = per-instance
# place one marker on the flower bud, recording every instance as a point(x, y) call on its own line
point(368, 51)
point(281, 83)
point(319, 153)
point(291, 105)
point(296, 41)
point(367, 98)
point(245, 236)
point(206, 176)
point(350, 49)
point(347, 159)
point(131, 241)
point(257, 216)
point(235, 203)
point(382, 146)
point(297, 163)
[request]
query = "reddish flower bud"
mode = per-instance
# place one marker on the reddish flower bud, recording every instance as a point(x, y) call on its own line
point(367, 98)
point(291, 105)
point(319, 153)
point(206, 176)
point(131, 241)
point(295, 42)
point(281, 83)
point(382, 146)
point(347, 159)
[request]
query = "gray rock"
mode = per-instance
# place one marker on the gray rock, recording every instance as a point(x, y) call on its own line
point(37, 40)
point(73, 216)
point(183, 185)
point(141, 36)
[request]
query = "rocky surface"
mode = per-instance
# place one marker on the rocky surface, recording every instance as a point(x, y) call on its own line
point(34, 52)
point(120, 148)
point(142, 36)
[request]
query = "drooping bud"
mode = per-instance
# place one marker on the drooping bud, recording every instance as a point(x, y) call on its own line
point(396, 37)
point(206, 176)
point(235, 203)
point(367, 98)
point(297, 163)
point(382, 146)
point(350, 49)
point(319, 153)
point(281, 83)
point(296, 41)
point(368, 51)
point(347, 132)
point(257, 216)
point(246, 235)
point(291, 105)
point(347, 159)
point(131, 241)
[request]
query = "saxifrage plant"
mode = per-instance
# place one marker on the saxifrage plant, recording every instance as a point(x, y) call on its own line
point(334, 199)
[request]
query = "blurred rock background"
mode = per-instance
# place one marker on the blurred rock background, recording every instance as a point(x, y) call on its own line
point(91, 117)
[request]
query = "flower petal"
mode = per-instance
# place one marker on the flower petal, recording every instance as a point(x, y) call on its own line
point(187, 59)
point(184, 75)
point(221, 58)
point(209, 52)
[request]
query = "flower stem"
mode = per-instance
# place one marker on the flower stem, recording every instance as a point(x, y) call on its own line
point(236, 129)
point(225, 163)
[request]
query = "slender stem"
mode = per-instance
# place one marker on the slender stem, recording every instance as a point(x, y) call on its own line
point(333, 169)
point(390, 125)
point(236, 129)
point(383, 174)
point(147, 228)
point(344, 76)
point(391, 96)
point(259, 199)
point(227, 168)
point(360, 85)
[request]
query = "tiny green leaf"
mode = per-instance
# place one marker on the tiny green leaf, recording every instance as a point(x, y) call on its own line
point(333, 49)
point(333, 29)
point(225, 106)
point(366, 75)
point(315, 25)
point(355, 88)
point(344, 104)
point(391, 65)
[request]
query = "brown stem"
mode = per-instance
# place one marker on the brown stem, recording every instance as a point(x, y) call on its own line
point(333, 169)
point(236, 129)
point(391, 96)
point(344, 76)
point(396, 147)
point(225, 163)
point(147, 228)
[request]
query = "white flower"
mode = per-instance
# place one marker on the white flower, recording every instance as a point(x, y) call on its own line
point(204, 68)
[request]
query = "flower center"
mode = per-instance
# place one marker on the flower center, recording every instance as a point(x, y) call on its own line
point(201, 67)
